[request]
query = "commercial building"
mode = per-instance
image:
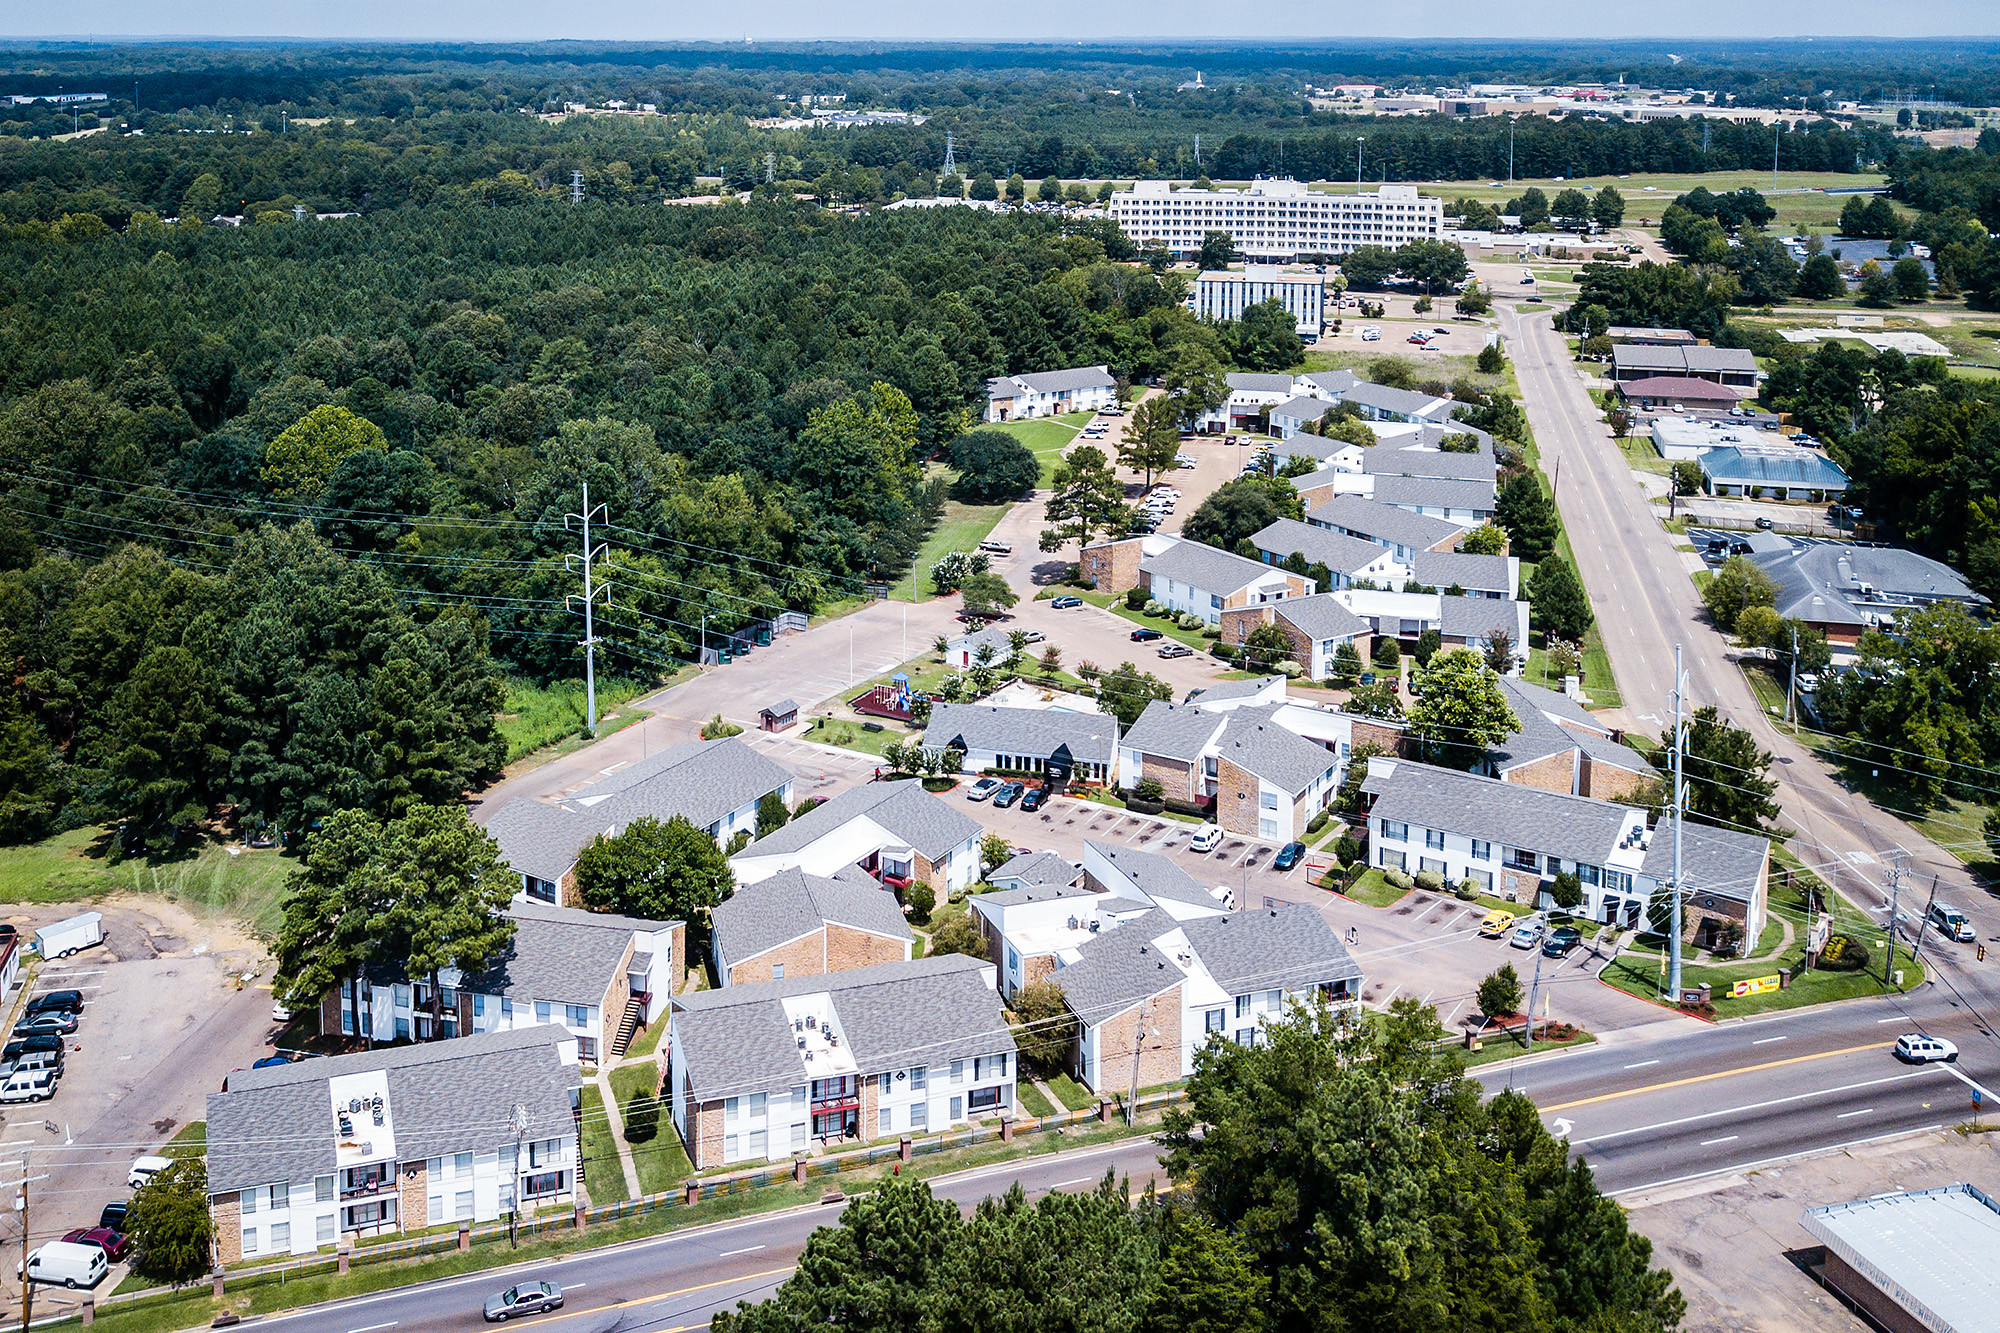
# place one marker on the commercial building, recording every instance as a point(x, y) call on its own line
point(895, 831)
point(1050, 393)
point(1772, 472)
point(1924, 1261)
point(799, 925)
point(1725, 365)
point(1844, 591)
point(1673, 392)
point(757, 1073)
point(1686, 438)
point(1223, 295)
point(1276, 220)
point(304, 1156)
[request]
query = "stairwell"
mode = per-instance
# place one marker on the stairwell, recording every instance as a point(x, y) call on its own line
point(628, 1027)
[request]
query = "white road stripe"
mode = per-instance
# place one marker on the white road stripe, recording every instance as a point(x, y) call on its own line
point(1642, 1064)
point(1754, 1106)
point(371, 1328)
point(1765, 1041)
point(747, 1249)
point(1844, 1115)
point(1727, 1138)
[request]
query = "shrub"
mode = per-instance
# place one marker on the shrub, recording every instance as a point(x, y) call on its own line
point(1398, 878)
point(923, 898)
point(1348, 850)
point(1290, 670)
point(1189, 620)
point(1135, 598)
point(1211, 631)
point(1844, 953)
point(1466, 891)
point(715, 729)
point(1087, 670)
point(1317, 822)
point(1387, 652)
point(1153, 608)
point(1228, 652)
point(1149, 789)
point(1430, 879)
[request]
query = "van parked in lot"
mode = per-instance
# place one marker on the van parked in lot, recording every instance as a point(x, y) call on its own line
point(28, 1085)
point(67, 1263)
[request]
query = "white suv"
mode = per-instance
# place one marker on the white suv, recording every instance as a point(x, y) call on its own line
point(1206, 838)
point(1921, 1048)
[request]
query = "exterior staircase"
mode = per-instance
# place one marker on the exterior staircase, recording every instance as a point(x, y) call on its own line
point(628, 1026)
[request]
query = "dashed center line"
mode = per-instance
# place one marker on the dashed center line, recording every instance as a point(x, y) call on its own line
point(1766, 1041)
point(1866, 1110)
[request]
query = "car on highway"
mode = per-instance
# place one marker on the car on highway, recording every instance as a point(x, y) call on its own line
point(1206, 838)
point(1176, 650)
point(1007, 795)
point(1954, 924)
point(115, 1246)
point(1534, 300)
point(1525, 936)
point(1920, 1048)
point(1560, 941)
point(56, 1020)
point(1065, 602)
point(1420, 339)
point(1032, 798)
point(1143, 635)
point(1288, 856)
point(983, 788)
point(1496, 923)
point(526, 1298)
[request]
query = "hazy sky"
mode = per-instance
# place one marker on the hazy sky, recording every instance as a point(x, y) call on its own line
point(634, 20)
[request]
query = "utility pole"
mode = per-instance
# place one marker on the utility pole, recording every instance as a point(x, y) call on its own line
point(1777, 132)
point(514, 1215)
point(590, 591)
point(1895, 896)
point(1680, 816)
point(1358, 141)
point(1792, 674)
point(1138, 1046)
point(1924, 922)
point(27, 1283)
point(1534, 990)
point(1510, 152)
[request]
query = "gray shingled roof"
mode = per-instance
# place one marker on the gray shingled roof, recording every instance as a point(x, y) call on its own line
point(1713, 860)
point(1832, 575)
point(560, 954)
point(1383, 398)
point(1119, 968)
point(1700, 359)
point(1321, 617)
point(1474, 573)
point(1055, 381)
point(702, 781)
point(1267, 948)
point(1434, 492)
point(1336, 550)
point(1090, 737)
point(1384, 523)
point(1036, 868)
point(1241, 689)
point(1172, 731)
point(1575, 828)
point(1643, 356)
point(1154, 875)
point(1253, 740)
point(1399, 459)
point(1304, 407)
point(1474, 618)
point(1248, 382)
point(1331, 381)
point(451, 1096)
point(925, 1011)
point(792, 904)
point(1032, 893)
point(1205, 567)
point(1541, 734)
point(904, 809)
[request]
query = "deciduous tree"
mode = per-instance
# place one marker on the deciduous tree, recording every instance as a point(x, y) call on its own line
point(1460, 710)
point(668, 871)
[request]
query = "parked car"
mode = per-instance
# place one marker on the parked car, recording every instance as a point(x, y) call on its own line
point(1534, 300)
point(1496, 923)
point(31, 1061)
point(1033, 798)
point(1417, 338)
point(1763, 523)
point(992, 547)
point(115, 1246)
point(1953, 923)
point(1007, 795)
point(56, 1001)
point(1035, 636)
point(1065, 602)
point(526, 1298)
point(1367, 678)
point(28, 1085)
point(280, 1014)
point(984, 788)
point(1288, 856)
point(1920, 1048)
point(114, 1214)
point(65, 1264)
point(1560, 941)
point(56, 1020)
point(1371, 335)
point(1807, 682)
point(1206, 838)
point(1526, 935)
point(1176, 650)
point(144, 1169)
point(1144, 635)
point(42, 1042)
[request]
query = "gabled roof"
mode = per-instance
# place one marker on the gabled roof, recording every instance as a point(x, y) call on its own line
point(277, 1125)
point(1433, 492)
point(1089, 737)
point(1246, 382)
point(792, 904)
point(1037, 868)
point(1305, 407)
point(1154, 875)
point(993, 634)
point(1716, 861)
point(1542, 714)
point(1330, 381)
point(1336, 550)
point(1119, 968)
point(1320, 617)
point(1474, 573)
point(560, 954)
point(1053, 381)
point(1254, 741)
point(1172, 731)
point(1679, 386)
point(926, 1011)
point(904, 810)
point(1384, 398)
point(1384, 523)
point(1205, 567)
point(1476, 618)
point(1389, 460)
point(702, 781)
point(1575, 828)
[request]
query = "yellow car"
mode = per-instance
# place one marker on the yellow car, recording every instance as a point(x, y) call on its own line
point(1496, 923)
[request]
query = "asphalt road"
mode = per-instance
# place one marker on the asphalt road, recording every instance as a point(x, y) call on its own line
point(674, 1283)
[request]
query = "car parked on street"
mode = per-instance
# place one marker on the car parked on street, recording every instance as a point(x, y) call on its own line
point(1007, 795)
point(1288, 856)
point(983, 788)
point(1920, 1048)
point(1065, 602)
point(1560, 941)
point(526, 1298)
point(1144, 635)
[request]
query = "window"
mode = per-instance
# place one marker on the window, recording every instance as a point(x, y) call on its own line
point(322, 1189)
point(325, 1229)
point(1395, 831)
point(281, 1196)
point(1242, 1005)
point(401, 994)
point(1586, 874)
point(760, 1143)
point(578, 1015)
point(798, 1136)
point(1430, 863)
point(958, 1071)
point(1246, 1036)
point(920, 1115)
point(1434, 839)
point(1483, 878)
point(1482, 851)
point(958, 1108)
point(1517, 859)
point(882, 1082)
point(544, 1151)
point(882, 1121)
point(249, 1240)
point(546, 1182)
point(983, 1099)
point(1214, 1021)
point(402, 1028)
point(461, 1164)
point(506, 1008)
point(757, 1100)
point(541, 1011)
point(1214, 601)
point(478, 1005)
point(1390, 858)
point(462, 1206)
point(917, 1078)
point(436, 1210)
point(729, 1108)
point(777, 971)
point(1013, 960)
point(730, 1151)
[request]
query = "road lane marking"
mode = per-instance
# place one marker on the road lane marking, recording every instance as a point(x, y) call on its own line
point(1754, 1106)
point(1846, 1115)
point(747, 1249)
point(1720, 1073)
point(371, 1328)
point(663, 1295)
point(1080, 1180)
point(1727, 1138)
point(1642, 1064)
point(1773, 1161)
point(1892, 1018)
point(1765, 1041)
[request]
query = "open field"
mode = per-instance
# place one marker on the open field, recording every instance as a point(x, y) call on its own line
point(533, 716)
point(73, 866)
point(961, 528)
point(1047, 437)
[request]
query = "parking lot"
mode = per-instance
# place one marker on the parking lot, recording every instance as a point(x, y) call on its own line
point(163, 1023)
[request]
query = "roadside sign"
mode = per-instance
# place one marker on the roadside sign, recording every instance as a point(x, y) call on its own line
point(1755, 986)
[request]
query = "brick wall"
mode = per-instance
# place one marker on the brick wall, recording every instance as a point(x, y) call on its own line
point(870, 1106)
point(848, 948)
point(1296, 585)
point(1521, 886)
point(1239, 622)
point(990, 933)
point(1390, 739)
point(1556, 772)
point(612, 1011)
point(677, 946)
point(802, 957)
point(329, 1010)
point(704, 1137)
point(227, 1210)
point(1159, 1059)
point(1176, 779)
point(413, 1194)
point(1607, 782)
point(1448, 544)
point(1315, 496)
point(1112, 566)
point(929, 871)
point(1235, 798)
point(566, 889)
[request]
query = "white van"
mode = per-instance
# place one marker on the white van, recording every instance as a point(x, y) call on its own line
point(145, 1168)
point(72, 1264)
point(28, 1085)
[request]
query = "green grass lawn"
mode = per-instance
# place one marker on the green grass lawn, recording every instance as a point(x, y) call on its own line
point(1641, 456)
point(1445, 368)
point(1073, 1095)
point(1165, 624)
point(190, 1141)
point(1598, 682)
point(649, 1129)
point(1047, 437)
point(1498, 1046)
point(1375, 891)
point(533, 717)
point(74, 866)
point(961, 528)
point(603, 1176)
point(648, 1040)
point(1033, 1102)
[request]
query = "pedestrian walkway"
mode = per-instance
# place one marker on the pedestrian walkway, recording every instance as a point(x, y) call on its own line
point(616, 1121)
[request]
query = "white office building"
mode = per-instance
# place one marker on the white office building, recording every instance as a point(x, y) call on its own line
point(1274, 220)
point(1223, 296)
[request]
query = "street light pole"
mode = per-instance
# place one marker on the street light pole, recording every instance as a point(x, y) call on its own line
point(1359, 139)
point(1510, 151)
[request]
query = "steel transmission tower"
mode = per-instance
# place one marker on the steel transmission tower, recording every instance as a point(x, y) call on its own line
point(591, 590)
point(576, 187)
point(950, 159)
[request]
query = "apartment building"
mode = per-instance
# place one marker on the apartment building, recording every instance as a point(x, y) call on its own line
point(1462, 622)
point(1276, 220)
point(758, 1073)
point(797, 925)
point(895, 831)
point(304, 1157)
point(1058, 744)
point(1222, 295)
point(1315, 627)
point(1050, 393)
